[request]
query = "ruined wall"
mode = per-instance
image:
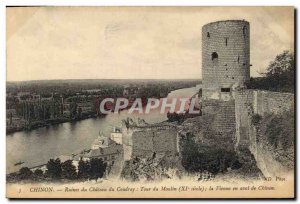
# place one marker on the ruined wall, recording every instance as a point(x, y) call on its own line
point(146, 142)
point(267, 163)
point(272, 102)
point(243, 114)
point(225, 71)
point(165, 140)
point(223, 113)
point(142, 143)
point(127, 141)
point(225, 55)
point(250, 102)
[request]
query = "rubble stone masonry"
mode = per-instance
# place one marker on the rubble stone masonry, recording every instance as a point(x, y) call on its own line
point(143, 141)
point(249, 102)
point(146, 143)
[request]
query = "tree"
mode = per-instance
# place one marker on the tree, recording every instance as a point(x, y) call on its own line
point(283, 63)
point(38, 173)
point(25, 173)
point(83, 169)
point(54, 169)
point(47, 111)
point(97, 168)
point(68, 170)
point(73, 109)
point(79, 112)
point(280, 130)
point(280, 75)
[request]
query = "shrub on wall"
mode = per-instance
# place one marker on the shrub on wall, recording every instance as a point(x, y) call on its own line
point(214, 158)
point(280, 130)
point(256, 118)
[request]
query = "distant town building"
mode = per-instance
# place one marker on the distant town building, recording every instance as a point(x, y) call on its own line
point(116, 135)
point(130, 91)
point(106, 149)
point(101, 142)
point(108, 154)
point(91, 91)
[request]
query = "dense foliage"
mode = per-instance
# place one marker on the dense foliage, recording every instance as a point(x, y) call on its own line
point(256, 118)
point(280, 130)
point(279, 76)
point(57, 171)
point(54, 169)
point(197, 157)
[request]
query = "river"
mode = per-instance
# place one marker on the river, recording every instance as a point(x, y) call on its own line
point(38, 146)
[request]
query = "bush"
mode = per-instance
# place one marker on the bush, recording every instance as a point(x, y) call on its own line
point(280, 75)
point(68, 170)
point(198, 157)
point(256, 118)
point(38, 173)
point(25, 173)
point(84, 168)
point(54, 169)
point(280, 130)
point(98, 168)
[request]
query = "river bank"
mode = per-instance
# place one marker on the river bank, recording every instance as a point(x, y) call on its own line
point(47, 123)
point(38, 145)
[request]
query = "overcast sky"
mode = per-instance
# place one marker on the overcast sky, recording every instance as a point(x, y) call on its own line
point(138, 42)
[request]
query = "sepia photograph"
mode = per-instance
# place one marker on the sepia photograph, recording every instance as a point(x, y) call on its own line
point(141, 102)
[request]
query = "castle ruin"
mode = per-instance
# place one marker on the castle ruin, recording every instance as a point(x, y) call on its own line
point(224, 95)
point(225, 74)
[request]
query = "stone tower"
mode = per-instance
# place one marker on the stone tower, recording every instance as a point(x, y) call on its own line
point(225, 68)
point(225, 58)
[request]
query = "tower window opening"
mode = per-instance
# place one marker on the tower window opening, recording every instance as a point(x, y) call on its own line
point(214, 56)
point(208, 35)
point(238, 59)
point(244, 31)
point(200, 93)
point(225, 89)
point(226, 41)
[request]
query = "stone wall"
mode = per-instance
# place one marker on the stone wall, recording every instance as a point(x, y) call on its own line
point(166, 141)
point(146, 142)
point(272, 102)
point(243, 113)
point(142, 143)
point(127, 141)
point(249, 102)
point(223, 113)
point(267, 163)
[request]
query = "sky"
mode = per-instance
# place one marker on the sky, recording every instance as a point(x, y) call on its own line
point(45, 43)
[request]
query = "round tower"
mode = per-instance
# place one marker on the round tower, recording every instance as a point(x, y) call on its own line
point(225, 58)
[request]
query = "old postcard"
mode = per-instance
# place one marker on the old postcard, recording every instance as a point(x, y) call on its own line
point(150, 102)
